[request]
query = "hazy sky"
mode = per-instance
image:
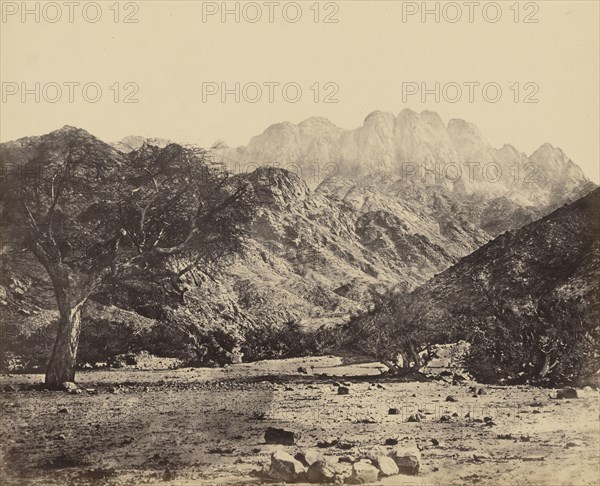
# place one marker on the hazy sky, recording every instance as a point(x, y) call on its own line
point(366, 55)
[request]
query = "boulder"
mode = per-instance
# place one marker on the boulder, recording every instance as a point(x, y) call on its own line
point(309, 457)
point(407, 458)
point(321, 472)
point(387, 466)
point(279, 436)
point(566, 393)
point(285, 468)
point(363, 472)
point(69, 386)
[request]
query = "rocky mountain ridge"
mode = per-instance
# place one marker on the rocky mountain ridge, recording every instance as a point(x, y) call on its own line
point(313, 256)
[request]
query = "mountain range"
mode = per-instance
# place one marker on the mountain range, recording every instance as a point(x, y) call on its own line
point(323, 243)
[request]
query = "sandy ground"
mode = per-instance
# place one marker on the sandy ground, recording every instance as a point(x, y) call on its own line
point(206, 426)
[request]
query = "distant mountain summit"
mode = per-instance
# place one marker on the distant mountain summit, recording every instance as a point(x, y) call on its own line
point(135, 142)
point(416, 146)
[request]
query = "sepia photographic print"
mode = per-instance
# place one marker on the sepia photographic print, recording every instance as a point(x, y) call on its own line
point(300, 242)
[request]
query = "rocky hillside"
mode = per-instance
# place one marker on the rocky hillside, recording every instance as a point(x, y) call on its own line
point(528, 300)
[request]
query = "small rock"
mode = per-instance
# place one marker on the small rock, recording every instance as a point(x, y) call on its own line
point(391, 442)
point(435, 442)
point(482, 391)
point(309, 457)
point(386, 466)
point(279, 436)
point(69, 385)
point(481, 456)
point(302, 369)
point(363, 472)
point(574, 443)
point(168, 475)
point(445, 418)
point(393, 411)
point(408, 459)
point(61, 437)
point(451, 398)
point(285, 468)
point(343, 390)
point(566, 393)
point(63, 410)
point(320, 472)
point(330, 442)
point(414, 418)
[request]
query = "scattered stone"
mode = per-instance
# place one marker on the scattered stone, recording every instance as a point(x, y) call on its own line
point(574, 443)
point(386, 466)
point(408, 459)
point(302, 369)
point(321, 472)
point(435, 442)
point(391, 442)
point(481, 456)
point(343, 390)
point(451, 398)
point(63, 410)
point(61, 437)
point(285, 468)
point(566, 393)
point(327, 443)
point(309, 457)
point(169, 475)
point(69, 386)
point(279, 436)
point(393, 411)
point(379, 385)
point(504, 436)
point(363, 472)
point(369, 420)
point(482, 391)
point(414, 418)
point(534, 458)
point(445, 418)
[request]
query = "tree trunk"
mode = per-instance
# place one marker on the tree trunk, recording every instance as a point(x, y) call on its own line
point(61, 367)
point(546, 367)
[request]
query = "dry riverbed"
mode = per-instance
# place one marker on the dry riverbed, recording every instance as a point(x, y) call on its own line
point(207, 426)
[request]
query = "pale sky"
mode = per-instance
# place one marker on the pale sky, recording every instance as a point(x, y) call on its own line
point(368, 54)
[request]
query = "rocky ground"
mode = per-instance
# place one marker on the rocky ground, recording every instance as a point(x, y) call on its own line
point(207, 426)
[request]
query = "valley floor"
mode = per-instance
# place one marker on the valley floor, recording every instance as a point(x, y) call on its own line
point(207, 426)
